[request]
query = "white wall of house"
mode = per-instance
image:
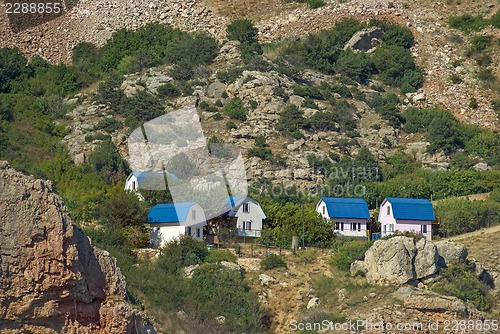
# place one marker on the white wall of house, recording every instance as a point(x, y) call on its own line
point(131, 184)
point(249, 216)
point(162, 233)
point(350, 227)
point(389, 225)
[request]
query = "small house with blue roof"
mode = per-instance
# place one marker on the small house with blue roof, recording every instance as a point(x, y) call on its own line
point(350, 215)
point(248, 214)
point(169, 221)
point(406, 215)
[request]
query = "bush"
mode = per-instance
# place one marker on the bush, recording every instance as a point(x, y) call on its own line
point(459, 280)
point(398, 35)
point(235, 109)
point(467, 22)
point(208, 107)
point(272, 261)
point(357, 66)
point(108, 124)
point(219, 255)
point(291, 121)
point(387, 107)
point(231, 125)
point(244, 32)
point(348, 252)
point(230, 75)
point(168, 90)
point(108, 162)
point(181, 253)
point(313, 4)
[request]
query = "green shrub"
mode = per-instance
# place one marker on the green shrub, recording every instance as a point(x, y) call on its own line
point(235, 109)
point(245, 32)
point(108, 124)
point(313, 4)
point(108, 162)
point(216, 291)
point(398, 35)
point(272, 261)
point(230, 75)
point(218, 116)
point(459, 280)
point(291, 121)
point(495, 20)
point(231, 125)
point(307, 91)
point(208, 107)
point(355, 65)
point(168, 90)
point(387, 106)
point(219, 255)
point(181, 253)
point(467, 22)
point(347, 251)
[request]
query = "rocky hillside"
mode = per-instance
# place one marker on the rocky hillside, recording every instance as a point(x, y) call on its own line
point(439, 49)
point(52, 279)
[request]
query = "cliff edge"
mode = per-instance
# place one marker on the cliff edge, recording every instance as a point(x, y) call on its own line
point(52, 279)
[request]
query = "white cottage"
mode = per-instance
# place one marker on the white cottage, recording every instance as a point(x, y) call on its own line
point(350, 215)
point(249, 215)
point(406, 215)
point(169, 221)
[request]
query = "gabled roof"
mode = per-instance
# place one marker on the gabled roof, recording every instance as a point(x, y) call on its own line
point(169, 213)
point(235, 200)
point(346, 207)
point(411, 208)
point(234, 203)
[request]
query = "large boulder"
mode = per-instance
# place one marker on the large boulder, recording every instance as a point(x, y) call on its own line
point(52, 279)
point(399, 260)
point(426, 261)
point(450, 252)
point(391, 261)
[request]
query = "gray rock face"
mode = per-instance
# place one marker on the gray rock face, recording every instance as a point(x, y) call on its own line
point(313, 303)
point(365, 40)
point(53, 279)
point(426, 261)
point(391, 261)
point(428, 301)
point(400, 260)
point(266, 280)
point(450, 252)
point(216, 89)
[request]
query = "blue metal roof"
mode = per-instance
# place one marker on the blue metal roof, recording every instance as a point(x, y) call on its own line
point(169, 213)
point(233, 201)
point(411, 208)
point(346, 207)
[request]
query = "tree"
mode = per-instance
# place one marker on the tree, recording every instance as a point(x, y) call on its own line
point(443, 134)
point(245, 32)
point(12, 65)
point(357, 66)
point(108, 162)
point(291, 121)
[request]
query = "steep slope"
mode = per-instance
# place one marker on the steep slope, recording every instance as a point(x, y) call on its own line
point(52, 280)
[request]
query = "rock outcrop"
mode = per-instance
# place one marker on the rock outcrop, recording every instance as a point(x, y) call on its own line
point(401, 260)
point(52, 280)
point(428, 301)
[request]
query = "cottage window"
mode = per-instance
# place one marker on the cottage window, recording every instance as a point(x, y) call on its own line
point(197, 232)
point(337, 225)
point(189, 231)
point(341, 226)
point(391, 227)
point(323, 210)
point(353, 227)
point(424, 228)
point(385, 229)
point(193, 215)
point(133, 185)
point(388, 210)
point(359, 226)
point(246, 208)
